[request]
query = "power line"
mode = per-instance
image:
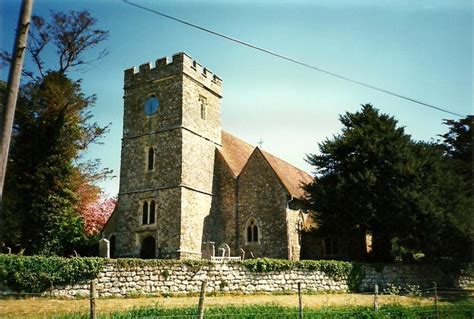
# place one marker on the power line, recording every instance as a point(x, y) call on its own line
point(292, 60)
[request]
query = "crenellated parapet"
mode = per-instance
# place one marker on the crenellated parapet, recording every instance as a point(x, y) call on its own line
point(164, 68)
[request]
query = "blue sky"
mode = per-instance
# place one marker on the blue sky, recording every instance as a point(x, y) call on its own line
point(421, 49)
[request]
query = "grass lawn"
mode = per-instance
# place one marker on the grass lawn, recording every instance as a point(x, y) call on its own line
point(45, 307)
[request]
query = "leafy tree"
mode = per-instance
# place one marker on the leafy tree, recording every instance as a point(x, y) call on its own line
point(39, 195)
point(372, 178)
point(96, 215)
point(47, 185)
point(71, 35)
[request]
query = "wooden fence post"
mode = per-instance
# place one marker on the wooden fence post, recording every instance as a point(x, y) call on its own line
point(376, 297)
point(92, 299)
point(436, 299)
point(300, 302)
point(202, 295)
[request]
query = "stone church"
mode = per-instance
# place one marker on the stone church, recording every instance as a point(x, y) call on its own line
point(186, 184)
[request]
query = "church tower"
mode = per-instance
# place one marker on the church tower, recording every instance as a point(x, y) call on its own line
point(171, 128)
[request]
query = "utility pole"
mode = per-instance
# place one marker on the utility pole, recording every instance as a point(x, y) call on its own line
point(14, 75)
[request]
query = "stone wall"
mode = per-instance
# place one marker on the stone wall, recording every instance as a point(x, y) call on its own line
point(178, 277)
point(263, 197)
point(402, 275)
point(181, 279)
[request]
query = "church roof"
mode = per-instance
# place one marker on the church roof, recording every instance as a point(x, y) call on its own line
point(291, 177)
point(237, 152)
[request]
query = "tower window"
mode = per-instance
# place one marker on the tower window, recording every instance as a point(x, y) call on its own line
point(151, 212)
point(203, 106)
point(148, 212)
point(151, 159)
point(151, 105)
point(252, 231)
point(145, 213)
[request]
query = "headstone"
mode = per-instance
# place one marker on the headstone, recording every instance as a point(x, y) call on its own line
point(104, 248)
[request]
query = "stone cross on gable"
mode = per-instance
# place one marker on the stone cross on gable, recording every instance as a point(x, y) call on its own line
point(260, 143)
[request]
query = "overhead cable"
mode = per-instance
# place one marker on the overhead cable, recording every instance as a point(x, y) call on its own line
point(292, 60)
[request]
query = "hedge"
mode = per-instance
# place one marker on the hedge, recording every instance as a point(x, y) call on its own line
point(38, 273)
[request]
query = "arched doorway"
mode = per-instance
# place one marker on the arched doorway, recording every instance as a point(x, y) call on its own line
point(148, 248)
point(112, 246)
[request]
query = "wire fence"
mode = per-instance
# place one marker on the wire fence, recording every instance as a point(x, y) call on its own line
point(387, 302)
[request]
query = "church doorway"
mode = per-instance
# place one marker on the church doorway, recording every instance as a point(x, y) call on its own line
point(147, 251)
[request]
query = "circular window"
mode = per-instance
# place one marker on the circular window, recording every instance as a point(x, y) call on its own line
point(151, 105)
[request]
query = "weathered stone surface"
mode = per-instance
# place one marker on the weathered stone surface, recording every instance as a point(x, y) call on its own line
point(236, 278)
point(197, 197)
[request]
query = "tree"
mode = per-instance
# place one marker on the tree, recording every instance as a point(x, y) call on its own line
point(47, 185)
point(71, 34)
point(458, 146)
point(458, 150)
point(96, 215)
point(374, 179)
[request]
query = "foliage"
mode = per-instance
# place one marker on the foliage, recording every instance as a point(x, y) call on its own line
point(70, 34)
point(47, 186)
point(40, 199)
point(96, 214)
point(275, 311)
point(130, 263)
point(37, 274)
point(373, 178)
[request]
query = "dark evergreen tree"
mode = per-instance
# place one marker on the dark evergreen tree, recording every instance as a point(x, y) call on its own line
point(372, 178)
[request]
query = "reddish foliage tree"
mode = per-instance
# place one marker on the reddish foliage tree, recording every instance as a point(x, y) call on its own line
point(96, 214)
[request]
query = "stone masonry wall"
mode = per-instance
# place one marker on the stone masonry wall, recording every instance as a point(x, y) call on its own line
point(263, 197)
point(402, 275)
point(179, 278)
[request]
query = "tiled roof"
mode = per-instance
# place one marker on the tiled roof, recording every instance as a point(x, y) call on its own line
point(237, 152)
point(291, 177)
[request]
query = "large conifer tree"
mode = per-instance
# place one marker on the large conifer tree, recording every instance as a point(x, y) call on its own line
point(372, 178)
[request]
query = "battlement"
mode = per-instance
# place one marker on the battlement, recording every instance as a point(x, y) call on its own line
point(180, 63)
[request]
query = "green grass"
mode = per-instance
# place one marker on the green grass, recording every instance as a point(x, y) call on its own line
point(272, 311)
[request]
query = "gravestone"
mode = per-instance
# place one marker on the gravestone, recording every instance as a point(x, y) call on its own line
point(104, 248)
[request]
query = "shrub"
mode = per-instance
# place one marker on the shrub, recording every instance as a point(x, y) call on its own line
point(38, 273)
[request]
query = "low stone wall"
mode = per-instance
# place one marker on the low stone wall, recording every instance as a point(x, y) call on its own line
point(115, 280)
point(403, 275)
point(130, 277)
point(179, 278)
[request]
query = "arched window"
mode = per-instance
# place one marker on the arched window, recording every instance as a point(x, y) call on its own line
point(145, 213)
point(252, 231)
point(148, 248)
point(255, 233)
point(151, 159)
point(152, 212)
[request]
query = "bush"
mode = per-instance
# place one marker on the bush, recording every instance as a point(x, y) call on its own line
point(38, 273)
